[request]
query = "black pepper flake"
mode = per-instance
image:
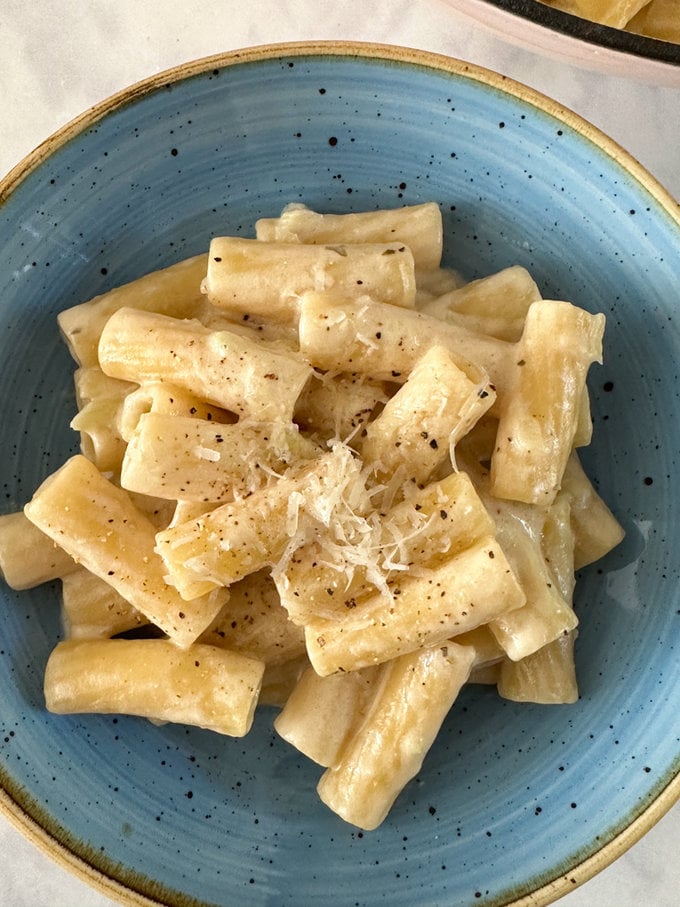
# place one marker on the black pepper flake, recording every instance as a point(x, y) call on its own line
point(648, 480)
point(433, 444)
point(443, 514)
point(332, 141)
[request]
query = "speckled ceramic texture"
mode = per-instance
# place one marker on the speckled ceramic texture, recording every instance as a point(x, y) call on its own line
point(512, 798)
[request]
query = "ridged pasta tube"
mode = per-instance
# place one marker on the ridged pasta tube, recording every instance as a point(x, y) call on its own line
point(152, 678)
point(99, 526)
point(228, 369)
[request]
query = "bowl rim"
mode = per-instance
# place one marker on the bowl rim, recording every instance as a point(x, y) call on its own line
point(541, 29)
point(31, 828)
point(606, 36)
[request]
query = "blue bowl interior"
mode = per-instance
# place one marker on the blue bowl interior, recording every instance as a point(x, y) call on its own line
point(185, 816)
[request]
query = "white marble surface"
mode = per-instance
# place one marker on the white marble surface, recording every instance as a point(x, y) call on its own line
point(59, 57)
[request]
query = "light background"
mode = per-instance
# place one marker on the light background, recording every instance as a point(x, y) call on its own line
point(59, 57)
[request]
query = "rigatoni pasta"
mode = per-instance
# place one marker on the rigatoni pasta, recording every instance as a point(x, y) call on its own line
point(207, 686)
point(419, 227)
point(265, 280)
point(98, 525)
point(320, 472)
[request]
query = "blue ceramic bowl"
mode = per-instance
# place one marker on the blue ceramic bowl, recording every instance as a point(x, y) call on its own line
point(513, 799)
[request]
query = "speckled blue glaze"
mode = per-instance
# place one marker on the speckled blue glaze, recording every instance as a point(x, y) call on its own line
point(511, 796)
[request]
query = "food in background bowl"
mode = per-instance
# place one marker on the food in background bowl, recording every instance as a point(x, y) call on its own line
point(544, 27)
point(176, 814)
point(656, 19)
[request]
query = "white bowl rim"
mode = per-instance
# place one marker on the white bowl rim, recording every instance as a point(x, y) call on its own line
point(670, 794)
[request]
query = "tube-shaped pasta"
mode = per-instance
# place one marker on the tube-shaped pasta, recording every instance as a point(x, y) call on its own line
point(100, 440)
point(548, 676)
point(417, 226)
point(254, 623)
point(557, 544)
point(487, 650)
point(97, 524)
point(420, 425)
point(431, 525)
point(546, 615)
point(321, 712)
point(266, 280)
point(90, 383)
point(336, 407)
point(280, 680)
point(461, 593)
point(188, 459)
point(92, 609)
point(384, 342)
point(539, 418)
point(169, 400)
point(226, 368)
point(171, 291)
point(153, 678)
point(28, 557)
point(414, 696)
point(495, 305)
point(596, 529)
point(583, 434)
point(433, 283)
point(244, 536)
point(100, 400)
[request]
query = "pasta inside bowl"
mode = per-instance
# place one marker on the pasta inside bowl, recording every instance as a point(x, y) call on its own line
point(217, 146)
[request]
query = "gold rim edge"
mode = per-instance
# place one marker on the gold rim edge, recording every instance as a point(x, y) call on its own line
point(369, 50)
point(606, 855)
point(41, 838)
